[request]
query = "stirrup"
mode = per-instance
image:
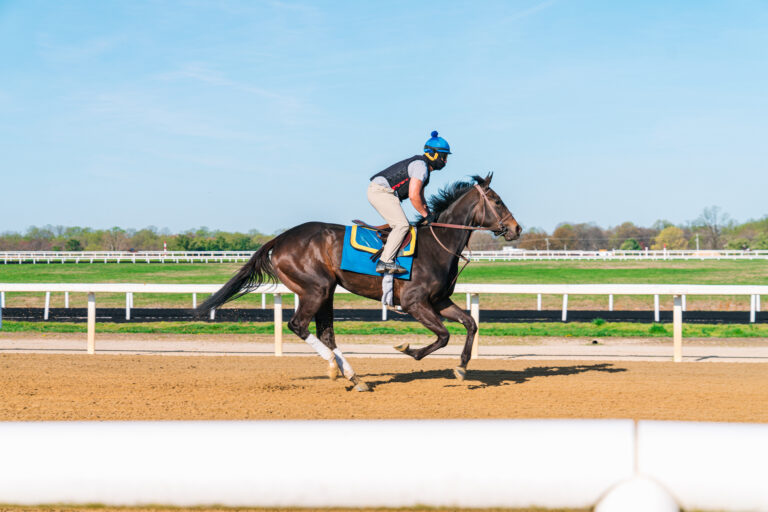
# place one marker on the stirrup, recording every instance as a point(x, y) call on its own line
point(386, 267)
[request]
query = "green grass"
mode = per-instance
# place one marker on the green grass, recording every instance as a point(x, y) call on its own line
point(533, 272)
point(614, 272)
point(553, 329)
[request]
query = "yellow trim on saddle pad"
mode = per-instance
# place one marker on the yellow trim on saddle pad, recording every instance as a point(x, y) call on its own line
point(408, 250)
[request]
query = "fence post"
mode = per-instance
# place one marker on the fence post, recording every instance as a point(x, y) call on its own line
point(752, 305)
point(655, 308)
point(66, 300)
point(610, 302)
point(677, 329)
point(278, 324)
point(263, 301)
point(194, 301)
point(684, 303)
point(2, 299)
point(47, 305)
point(538, 302)
point(565, 307)
point(91, 347)
point(474, 311)
point(468, 305)
point(127, 305)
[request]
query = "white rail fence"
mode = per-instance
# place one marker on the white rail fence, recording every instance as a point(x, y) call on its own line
point(472, 291)
point(38, 257)
point(615, 465)
point(615, 255)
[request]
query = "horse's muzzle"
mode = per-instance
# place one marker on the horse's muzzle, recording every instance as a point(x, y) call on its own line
point(512, 234)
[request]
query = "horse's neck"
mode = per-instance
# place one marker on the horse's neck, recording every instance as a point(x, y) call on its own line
point(461, 212)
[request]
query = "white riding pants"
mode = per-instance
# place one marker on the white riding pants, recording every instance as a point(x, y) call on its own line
point(387, 204)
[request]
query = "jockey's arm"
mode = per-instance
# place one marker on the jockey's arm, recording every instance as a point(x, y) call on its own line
point(416, 194)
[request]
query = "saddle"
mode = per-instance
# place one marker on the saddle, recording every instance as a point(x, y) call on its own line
point(382, 232)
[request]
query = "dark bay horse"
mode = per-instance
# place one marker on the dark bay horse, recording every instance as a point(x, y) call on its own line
point(307, 257)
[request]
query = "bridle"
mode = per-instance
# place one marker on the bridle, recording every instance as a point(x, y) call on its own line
point(499, 231)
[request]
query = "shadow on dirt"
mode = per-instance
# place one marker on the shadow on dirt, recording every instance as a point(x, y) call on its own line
point(479, 379)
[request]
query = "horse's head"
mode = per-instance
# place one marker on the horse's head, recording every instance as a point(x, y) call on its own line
point(491, 212)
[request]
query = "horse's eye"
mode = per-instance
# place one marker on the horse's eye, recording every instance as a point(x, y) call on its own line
point(498, 201)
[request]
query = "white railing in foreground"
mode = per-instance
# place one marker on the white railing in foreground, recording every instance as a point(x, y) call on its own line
point(10, 257)
point(473, 291)
point(511, 463)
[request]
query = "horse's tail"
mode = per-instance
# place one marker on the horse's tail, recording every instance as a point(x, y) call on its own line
point(257, 271)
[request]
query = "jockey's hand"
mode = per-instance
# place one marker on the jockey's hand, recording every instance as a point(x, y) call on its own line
point(430, 218)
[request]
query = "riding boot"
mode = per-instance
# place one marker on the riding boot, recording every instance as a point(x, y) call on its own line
point(389, 267)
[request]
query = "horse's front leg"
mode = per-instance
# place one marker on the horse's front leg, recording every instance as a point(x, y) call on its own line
point(453, 312)
point(425, 313)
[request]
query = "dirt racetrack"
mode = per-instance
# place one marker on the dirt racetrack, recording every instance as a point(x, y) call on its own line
point(113, 387)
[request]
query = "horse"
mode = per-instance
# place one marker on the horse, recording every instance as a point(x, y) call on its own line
point(306, 259)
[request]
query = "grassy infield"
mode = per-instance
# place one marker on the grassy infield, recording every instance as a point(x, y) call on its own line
point(694, 272)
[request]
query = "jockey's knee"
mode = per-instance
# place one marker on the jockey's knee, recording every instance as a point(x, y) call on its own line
point(399, 228)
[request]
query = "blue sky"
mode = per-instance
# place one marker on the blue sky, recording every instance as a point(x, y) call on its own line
point(265, 114)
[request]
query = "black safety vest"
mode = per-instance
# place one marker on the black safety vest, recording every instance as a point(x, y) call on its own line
point(397, 175)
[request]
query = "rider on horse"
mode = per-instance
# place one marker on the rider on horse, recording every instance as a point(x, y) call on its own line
point(405, 179)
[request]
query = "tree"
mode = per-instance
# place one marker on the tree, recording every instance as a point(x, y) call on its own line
point(115, 239)
point(630, 244)
point(563, 237)
point(73, 244)
point(710, 226)
point(534, 238)
point(671, 238)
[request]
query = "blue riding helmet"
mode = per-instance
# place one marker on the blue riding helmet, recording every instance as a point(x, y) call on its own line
point(437, 144)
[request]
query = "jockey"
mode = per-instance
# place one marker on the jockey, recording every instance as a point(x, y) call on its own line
point(403, 180)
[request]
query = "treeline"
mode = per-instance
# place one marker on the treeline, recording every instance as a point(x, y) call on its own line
point(62, 238)
point(711, 230)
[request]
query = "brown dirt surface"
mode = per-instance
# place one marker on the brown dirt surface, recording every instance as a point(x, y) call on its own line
point(110, 387)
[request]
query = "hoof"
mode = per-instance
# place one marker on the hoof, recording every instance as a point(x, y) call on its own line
point(402, 347)
point(333, 369)
point(359, 384)
point(460, 373)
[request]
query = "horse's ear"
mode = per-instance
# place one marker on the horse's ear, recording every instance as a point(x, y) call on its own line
point(487, 180)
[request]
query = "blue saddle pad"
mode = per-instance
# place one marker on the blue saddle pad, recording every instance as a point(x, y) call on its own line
point(360, 243)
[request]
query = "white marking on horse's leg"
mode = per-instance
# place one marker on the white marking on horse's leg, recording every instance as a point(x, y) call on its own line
point(319, 347)
point(346, 368)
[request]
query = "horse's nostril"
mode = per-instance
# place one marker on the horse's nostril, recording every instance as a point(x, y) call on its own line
point(519, 229)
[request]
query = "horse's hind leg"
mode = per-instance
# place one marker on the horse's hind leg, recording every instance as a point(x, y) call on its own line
point(310, 301)
point(324, 328)
point(324, 324)
point(453, 312)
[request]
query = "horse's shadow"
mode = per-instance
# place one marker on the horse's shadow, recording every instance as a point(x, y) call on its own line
point(480, 379)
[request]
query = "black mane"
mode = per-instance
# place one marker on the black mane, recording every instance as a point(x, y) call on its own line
point(447, 195)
